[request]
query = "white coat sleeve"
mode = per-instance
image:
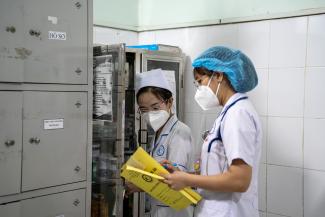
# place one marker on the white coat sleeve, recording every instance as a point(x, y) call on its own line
point(239, 135)
point(180, 149)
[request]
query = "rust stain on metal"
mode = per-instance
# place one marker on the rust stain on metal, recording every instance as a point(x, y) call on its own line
point(22, 53)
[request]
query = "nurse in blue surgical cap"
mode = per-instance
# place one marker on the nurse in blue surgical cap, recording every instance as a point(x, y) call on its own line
point(231, 151)
point(172, 142)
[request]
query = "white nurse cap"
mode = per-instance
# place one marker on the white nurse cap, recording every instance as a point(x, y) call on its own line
point(152, 78)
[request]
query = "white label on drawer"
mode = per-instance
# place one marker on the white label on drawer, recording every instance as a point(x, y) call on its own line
point(59, 216)
point(53, 124)
point(57, 35)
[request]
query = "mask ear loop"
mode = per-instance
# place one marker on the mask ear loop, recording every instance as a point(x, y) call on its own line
point(218, 86)
point(210, 80)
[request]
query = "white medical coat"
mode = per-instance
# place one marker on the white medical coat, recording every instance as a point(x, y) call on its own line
point(241, 135)
point(174, 144)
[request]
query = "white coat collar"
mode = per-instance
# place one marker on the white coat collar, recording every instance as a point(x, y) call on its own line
point(170, 124)
point(232, 99)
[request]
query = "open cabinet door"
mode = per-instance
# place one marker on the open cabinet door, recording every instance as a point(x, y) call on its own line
point(108, 130)
point(172, 63)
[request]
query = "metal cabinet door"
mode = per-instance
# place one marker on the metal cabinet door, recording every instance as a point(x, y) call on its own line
point(12, 53)
point(10, 210)
point(10, 141)
point(67, 204)
point(54, 139)
point(56, 35)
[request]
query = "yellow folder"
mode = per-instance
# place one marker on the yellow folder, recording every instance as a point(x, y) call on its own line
point(143, 171)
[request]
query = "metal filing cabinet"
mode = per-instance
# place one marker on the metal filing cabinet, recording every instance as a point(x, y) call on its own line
point(10, 210)
point(56, 37)
point(11, 39)
point(45, 108)
point(54, 138)
point(11, 141)
point(66, 204)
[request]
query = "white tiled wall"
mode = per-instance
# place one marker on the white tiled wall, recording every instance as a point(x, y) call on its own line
point(289, 55)
point(103, 35)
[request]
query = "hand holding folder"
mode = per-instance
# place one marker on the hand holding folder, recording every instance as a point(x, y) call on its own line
point(143, 171)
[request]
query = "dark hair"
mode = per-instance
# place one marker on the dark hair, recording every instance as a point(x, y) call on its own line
point(202, 71)
point(205, 71)
point(159, 92)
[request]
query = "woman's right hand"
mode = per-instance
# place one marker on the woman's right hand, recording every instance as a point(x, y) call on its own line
point(131, 188)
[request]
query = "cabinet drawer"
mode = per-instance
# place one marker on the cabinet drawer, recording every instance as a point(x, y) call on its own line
point(10, 141)
point(12, 53)
point(67, 204)
point(54, 138)
point(56, 36)
point(10, 210)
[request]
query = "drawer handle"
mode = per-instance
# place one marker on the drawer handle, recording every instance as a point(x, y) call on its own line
point(78, 71)
point(9, 143)
point(34, 140)
point(78, 5)
point(76, 202)
point(78, 104)
point(11, 29)
point(34, 33)
point(77, 169)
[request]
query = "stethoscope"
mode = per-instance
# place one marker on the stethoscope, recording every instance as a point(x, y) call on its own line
point(219, 137)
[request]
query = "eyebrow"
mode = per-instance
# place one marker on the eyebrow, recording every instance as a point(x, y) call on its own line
point(157, 103)
point(154, 104)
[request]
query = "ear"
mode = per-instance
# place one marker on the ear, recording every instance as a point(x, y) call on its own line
point(219, 76)
point(170, 102)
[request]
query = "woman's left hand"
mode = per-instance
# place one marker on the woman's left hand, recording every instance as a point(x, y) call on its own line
point(176, 180)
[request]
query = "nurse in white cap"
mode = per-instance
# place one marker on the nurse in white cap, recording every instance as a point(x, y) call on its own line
point(172, 139)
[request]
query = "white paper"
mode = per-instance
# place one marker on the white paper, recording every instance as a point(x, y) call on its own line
point(53, 19)
point(53, 124)
point(170, 76)
point(103, 84)
point(53, 35)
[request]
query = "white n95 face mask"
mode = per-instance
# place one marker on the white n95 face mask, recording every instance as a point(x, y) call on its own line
point(205, 97)
point(156, 119)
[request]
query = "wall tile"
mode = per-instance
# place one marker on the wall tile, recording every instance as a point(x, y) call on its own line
point(288, 42)
point(275, 215)
point(314, 193)
point(262, 188)
point(285, 137)
point(264, 121)
point(225, 35)
point(314, 145)
point(197, 124)
point(190, 105)
point(286, 92)
point(316, 41)
point(147, 37)
point(284, 190)
point(259, 94)
point(174, 37)
point(195, 41)
point(113, 36)
point(315, 92)
point(262, 214)
point(253, 40)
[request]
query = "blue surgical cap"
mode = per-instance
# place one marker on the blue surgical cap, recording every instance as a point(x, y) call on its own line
point(238, 68)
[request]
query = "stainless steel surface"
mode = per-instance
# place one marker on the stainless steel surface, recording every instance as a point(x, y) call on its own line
point(11, 143)
point(67, 204)
point(62, 147)
point(31, 61)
